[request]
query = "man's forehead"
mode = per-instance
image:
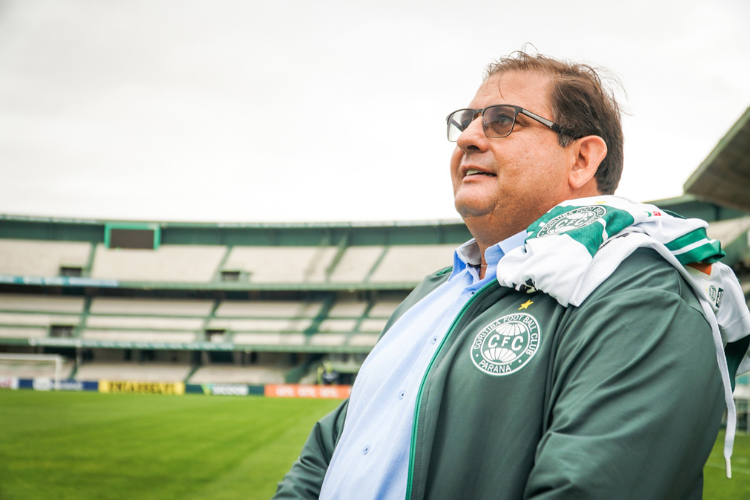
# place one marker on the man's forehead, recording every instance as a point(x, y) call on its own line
point(522, 88)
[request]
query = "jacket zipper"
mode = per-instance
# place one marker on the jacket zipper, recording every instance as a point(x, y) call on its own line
point(412, 450)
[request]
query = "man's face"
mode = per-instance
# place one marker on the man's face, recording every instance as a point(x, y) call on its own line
point(520, 176)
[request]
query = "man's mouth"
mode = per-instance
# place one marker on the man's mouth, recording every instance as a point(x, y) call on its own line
point(478, 172)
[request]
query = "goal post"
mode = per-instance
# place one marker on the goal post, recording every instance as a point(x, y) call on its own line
point(24, 360)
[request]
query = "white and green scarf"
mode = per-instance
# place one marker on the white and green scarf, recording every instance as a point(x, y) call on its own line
point(592, 236)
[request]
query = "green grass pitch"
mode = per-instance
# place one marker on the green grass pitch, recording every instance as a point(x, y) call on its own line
point(109, 446)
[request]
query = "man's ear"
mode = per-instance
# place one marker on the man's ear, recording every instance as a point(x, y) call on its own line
point(588, 153)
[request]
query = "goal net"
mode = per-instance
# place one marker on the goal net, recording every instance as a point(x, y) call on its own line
point(33, 366)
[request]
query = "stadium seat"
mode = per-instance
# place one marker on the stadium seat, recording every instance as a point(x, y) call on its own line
point(281, 264)
point(40, 303)
point(7, 332)
point(363, 339)
point(328, 339)
point(137, 372)
point(260, 325)
point(144, 323)
point(356, 263)
point(217, 374)
point(38, 319)
point(411, 263)
point(372, 325)
point(269, 339)
point(41, 258)
point(108, 305)
point(337, 325)
point(138, 336)
point(28, 317)
point(383, 309)
point(347, 309)
point(170, 263)
point(267, 309)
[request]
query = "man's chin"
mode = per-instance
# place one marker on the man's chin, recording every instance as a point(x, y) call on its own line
point(468, 210)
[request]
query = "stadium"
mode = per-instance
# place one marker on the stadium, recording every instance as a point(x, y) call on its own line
point(209, 303)
point(151, 311)
point(212, 209)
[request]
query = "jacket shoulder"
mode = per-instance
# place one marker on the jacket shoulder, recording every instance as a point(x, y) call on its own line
point(646, 270)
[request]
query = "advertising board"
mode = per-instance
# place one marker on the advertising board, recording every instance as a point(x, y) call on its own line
point(48, 384)
point(228, 389)
point(8, 383)
point(308, 391)
point(225, 389)
point(141, 387)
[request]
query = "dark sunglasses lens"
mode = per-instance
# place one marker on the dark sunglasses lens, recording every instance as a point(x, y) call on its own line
point(458, 121)
point(498, 121)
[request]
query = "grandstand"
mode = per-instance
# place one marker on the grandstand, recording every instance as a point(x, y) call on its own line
point(208, 303)
point(258, 303)
point(225, 303)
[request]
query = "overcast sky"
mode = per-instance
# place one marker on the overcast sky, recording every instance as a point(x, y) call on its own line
point(272, 111)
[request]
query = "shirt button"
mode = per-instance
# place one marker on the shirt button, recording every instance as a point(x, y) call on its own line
point(433, 340)
point(473, 293)
point(366, 450)
point(401, 394)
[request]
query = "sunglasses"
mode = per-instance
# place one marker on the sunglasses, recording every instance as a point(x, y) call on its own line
point(497, 121)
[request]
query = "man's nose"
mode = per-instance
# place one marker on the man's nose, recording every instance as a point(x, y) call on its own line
point(473, 138)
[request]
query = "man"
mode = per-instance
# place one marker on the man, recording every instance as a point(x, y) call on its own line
point(485, 384)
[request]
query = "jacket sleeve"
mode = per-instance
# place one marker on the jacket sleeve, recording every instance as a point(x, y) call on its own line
point(305, 478)
point(635, 401)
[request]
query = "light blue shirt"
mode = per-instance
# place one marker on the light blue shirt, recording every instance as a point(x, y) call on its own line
point(371, 460)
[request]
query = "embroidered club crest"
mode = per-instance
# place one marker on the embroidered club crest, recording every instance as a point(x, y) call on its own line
point(575, 219)
point(506, 345)
point(715, 294)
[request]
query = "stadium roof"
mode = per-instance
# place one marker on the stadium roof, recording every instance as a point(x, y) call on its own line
point(724, 176)
point(250, 225)
point(262, 234)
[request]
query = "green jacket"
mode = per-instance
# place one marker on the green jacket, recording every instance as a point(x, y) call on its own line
point(620, 398)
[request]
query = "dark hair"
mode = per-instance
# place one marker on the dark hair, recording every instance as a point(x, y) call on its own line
point(582, 101)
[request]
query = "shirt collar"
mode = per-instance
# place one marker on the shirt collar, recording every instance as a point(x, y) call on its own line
point(468, 253)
